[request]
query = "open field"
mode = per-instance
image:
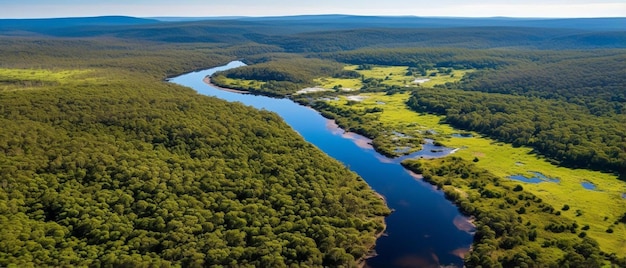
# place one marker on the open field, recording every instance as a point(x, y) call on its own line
point(391, 76)
point(599, 208)
point(21, 79)
point(239, 83)
point(387, 75)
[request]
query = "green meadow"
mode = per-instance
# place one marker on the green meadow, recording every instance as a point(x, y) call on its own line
point(21, 79)
point(390, 76)
point(242, 84)
point(599, 208)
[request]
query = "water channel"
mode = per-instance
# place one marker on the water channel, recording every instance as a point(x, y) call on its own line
point(425, 230)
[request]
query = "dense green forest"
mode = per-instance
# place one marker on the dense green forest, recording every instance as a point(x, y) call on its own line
point(565, 132)
point(109, 166)
point(593, 80)
point(522, 232)
point(104, 164)
point(568, 105)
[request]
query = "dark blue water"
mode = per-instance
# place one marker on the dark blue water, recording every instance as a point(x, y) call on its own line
point(425, 230)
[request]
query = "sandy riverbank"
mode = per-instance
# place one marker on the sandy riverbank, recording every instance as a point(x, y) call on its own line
point(207, 80)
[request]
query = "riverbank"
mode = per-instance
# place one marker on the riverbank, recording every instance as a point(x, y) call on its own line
point(207, 80)
point(421, 227)
point(503, 160)
point(361, 142)
point(601, 209)
point(371, 252)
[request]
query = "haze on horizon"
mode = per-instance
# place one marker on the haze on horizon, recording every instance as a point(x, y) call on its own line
point(200, 8)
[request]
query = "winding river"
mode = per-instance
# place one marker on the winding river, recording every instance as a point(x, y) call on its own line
point(425, 230)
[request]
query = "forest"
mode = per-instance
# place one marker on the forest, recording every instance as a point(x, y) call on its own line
point(102, 163)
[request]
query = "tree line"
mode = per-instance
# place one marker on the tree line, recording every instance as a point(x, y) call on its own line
point(562, 131)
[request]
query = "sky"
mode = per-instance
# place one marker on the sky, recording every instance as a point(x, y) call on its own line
point(212, 8)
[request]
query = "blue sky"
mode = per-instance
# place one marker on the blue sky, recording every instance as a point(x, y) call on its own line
point(204, 8)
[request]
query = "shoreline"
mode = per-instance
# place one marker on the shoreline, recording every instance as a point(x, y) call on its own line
point(371, 252)
point(362, 261)
point(207, 80)
point(471, 219)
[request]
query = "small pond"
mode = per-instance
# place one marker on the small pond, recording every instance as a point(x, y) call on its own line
point(462, 135)
point(429, 150)
point(537, 178)
point(588, 185)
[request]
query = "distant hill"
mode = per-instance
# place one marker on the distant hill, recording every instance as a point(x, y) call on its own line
point(348, 21)
point(173, 19)
point(338, 21)
point(46, 26)
point(323, 33)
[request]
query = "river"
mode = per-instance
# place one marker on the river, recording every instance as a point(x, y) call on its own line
point(425, 229)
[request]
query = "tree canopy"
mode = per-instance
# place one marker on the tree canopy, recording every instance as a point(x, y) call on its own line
point(113, 167)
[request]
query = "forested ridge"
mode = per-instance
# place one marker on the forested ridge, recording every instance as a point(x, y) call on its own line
point(595, 81)
point(114, 168)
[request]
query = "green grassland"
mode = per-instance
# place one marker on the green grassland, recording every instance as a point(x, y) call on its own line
point(600, 208)
point(387, 75)
point(243, 84)
point(390, 76)
point(21, 79)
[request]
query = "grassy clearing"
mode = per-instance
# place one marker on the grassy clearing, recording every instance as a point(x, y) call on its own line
point(598, 208)
point(391, 76)
point(444, 78)
point(330, 82)
point(240, 83)
point(24, 79)
point(388, 75)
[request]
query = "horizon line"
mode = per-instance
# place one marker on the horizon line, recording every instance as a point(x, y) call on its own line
point(305, 15)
